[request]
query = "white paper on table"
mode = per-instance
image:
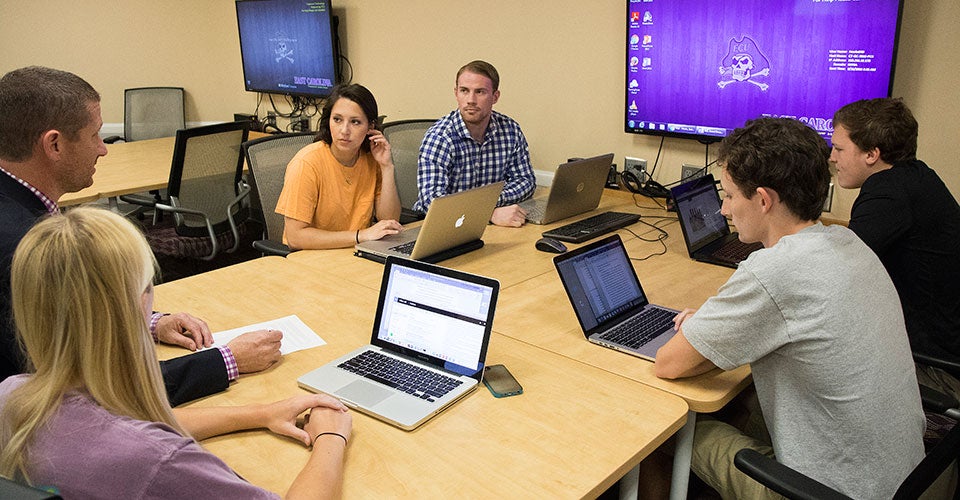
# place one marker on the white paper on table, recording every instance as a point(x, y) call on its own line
point(296, 334)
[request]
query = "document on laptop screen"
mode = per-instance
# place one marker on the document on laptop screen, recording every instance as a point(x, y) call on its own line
point(604, 284)
point(436, 315)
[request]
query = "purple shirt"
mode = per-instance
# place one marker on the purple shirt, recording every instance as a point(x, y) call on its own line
point(87, 452)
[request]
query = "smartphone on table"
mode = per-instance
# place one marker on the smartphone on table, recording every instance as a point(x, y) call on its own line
point(501, 382)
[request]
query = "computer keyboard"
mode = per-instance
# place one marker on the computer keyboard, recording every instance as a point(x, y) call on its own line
point(735, 251)
point(404, 376)
point(591, 227)
point(404, 248)
point(640, 329)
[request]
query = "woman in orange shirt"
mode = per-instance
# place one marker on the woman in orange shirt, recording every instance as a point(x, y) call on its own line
point(335, 188)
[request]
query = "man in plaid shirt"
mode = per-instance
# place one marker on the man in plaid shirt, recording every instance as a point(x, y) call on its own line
point(474, 146)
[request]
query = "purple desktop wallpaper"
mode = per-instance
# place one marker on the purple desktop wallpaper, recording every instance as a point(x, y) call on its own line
point(705, 67)
point(286, 46)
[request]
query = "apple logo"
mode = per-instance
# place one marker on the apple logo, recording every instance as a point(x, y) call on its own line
point(459, 221)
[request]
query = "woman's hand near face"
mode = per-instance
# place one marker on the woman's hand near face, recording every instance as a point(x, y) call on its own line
point(380, 148)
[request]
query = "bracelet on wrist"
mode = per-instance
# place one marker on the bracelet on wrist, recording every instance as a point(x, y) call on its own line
point(341, 436)
point(358, 236)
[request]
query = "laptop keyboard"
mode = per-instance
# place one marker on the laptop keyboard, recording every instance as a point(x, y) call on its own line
point(640, 329)
point(404, 248)
point(536, 211)
point(591, 227)
point(735, 250)
point(399, 374)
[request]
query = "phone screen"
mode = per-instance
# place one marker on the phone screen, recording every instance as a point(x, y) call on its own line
point(500, 382)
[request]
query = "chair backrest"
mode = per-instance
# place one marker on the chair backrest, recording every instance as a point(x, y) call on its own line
point(205, 174)
point(267, 158)
point(151, 112)
point(14, 490)
point(405, 137)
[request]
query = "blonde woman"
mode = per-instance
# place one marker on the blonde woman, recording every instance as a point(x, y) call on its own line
point(92, 418)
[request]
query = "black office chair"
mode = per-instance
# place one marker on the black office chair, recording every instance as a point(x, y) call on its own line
point(405, 137)
point(267, 158)
point(150, 113)
point(13, 490)
point(205, 193)
point(794, 485)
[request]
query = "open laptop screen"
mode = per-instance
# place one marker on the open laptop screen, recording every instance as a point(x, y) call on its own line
point(439, 318)
point(698, 204)
point(600, 281)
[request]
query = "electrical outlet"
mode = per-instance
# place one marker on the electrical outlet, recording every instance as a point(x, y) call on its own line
point(689, 172)
point(637, 166)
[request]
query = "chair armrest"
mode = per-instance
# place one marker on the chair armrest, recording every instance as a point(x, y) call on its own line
point(782, 479)
point(937, 401)
point(269, 247)
point(180, 210)
point(143, 201)
point(112, 139)
point(951, 366)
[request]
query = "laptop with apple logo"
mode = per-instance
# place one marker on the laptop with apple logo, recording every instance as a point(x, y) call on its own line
point(453, 226)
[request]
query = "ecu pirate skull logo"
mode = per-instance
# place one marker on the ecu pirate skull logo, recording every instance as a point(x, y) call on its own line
point(743, 63)
point(283, 51)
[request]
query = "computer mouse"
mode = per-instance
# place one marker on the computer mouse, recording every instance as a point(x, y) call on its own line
point(551, 245)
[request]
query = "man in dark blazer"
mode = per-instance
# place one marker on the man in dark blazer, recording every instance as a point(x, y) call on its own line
point(49, 146)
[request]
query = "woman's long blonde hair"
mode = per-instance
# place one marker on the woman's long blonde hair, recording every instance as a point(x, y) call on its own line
point(77, 285)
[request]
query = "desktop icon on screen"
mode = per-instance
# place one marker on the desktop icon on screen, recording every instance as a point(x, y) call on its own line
point(647, 17)
point(647, 62)
point(634, 61)
point(634, 39)
point(635, 16)
point(647, 39)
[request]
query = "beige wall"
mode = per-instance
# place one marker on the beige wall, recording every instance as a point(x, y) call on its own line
point(561, 67)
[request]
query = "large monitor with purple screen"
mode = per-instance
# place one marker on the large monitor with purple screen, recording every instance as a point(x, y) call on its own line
point(287, 46)
point(700, 68)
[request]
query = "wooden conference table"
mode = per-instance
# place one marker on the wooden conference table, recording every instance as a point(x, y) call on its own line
point(534, 309)
point(573, 433)
point(130, 167)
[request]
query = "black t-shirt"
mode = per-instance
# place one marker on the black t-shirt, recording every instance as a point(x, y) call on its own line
point(911, 220)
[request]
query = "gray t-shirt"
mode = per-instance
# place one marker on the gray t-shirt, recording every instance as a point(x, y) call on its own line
point(819, 321)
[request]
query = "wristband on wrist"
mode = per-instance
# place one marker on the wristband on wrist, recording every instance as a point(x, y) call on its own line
point(341, 436)
point(358, 236)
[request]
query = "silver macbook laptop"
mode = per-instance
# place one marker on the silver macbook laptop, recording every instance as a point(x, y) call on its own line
point(610, 304)
point(428, 348)
point(454, 225)
point(577, 188)
point(705, 229)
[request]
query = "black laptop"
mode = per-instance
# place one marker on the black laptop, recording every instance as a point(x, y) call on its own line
point(610, 304)
point(704, 228)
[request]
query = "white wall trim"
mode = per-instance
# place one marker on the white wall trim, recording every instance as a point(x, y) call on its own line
point(109, 129)
point(544, 178)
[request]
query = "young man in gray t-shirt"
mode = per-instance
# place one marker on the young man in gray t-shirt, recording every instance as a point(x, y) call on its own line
point(816, 316)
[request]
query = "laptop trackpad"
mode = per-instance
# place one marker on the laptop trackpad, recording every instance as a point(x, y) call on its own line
point(364, 393)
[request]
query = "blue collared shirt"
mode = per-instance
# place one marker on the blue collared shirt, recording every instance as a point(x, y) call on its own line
point(451, 161)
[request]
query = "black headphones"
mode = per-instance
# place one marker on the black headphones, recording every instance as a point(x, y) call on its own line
point(651, 189)
point(630, 181)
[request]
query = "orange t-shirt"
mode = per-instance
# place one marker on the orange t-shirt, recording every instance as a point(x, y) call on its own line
point(320, 191)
